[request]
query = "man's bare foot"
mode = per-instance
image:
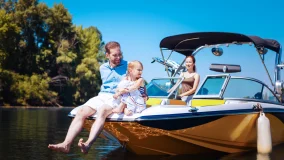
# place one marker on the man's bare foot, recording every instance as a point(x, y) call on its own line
point(61, 147)
point(84, 147)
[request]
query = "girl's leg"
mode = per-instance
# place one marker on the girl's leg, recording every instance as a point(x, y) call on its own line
point(127, 112)
point(119, 108)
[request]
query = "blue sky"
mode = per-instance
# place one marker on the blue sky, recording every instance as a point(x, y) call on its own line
point(140, 25)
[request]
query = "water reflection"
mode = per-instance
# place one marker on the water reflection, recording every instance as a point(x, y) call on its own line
point(25, 134)
point(120, 153)
point(277, 154)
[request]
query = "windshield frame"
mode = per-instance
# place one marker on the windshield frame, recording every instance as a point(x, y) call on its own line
point(221, 92)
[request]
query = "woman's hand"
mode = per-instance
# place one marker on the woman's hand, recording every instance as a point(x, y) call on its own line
point(178, 97)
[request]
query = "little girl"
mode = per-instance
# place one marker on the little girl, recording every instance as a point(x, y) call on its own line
point(130, 101)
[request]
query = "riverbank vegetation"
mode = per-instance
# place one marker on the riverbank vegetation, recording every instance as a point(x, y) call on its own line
point(46, 60)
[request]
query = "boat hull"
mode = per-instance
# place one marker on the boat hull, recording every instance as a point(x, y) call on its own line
point(227, 134)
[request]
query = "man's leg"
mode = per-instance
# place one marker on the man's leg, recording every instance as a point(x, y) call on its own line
point(96, 129)
point(74, 129)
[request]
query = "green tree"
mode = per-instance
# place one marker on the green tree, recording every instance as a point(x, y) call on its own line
point(87, 72)
point(39, 44)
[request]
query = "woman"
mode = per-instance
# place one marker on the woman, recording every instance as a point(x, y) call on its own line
point(191, 80)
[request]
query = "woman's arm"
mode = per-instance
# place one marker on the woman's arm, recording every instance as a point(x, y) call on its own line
point(195, 85)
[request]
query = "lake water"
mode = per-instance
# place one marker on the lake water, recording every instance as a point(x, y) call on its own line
point(26, 133)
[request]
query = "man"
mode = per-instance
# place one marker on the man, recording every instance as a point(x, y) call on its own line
point(111, 73)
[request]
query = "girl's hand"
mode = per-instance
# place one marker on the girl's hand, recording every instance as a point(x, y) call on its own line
point(145, 97)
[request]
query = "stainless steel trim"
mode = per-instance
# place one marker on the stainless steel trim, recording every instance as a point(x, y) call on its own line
point(265, 68)
point(175, 87)
point(166, 78)
point(252, 100)
point(277, 75)
point(225, 86)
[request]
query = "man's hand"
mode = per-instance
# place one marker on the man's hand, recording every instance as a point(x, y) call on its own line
point(124, 90)
point(116, 95)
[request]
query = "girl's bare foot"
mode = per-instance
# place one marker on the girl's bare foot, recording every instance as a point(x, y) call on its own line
point(84, 147)
point(128, 112)
point(60, 147)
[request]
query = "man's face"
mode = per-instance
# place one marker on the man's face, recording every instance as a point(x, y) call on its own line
point(114, 56)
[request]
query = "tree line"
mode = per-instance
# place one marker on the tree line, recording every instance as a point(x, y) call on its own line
point(46, 60)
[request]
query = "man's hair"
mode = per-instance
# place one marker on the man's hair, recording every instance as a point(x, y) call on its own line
point(111, 45)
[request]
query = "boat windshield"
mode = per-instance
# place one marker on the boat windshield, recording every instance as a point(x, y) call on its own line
point(212, 87)
point(160, 87)
point(226, 87)
point(247, 88)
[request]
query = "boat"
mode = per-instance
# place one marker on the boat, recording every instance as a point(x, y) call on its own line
point(222, 115)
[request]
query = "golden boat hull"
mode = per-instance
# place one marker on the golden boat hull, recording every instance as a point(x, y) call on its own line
point(228, 134)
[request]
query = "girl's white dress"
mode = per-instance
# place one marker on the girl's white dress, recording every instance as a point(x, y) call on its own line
point(133, 100)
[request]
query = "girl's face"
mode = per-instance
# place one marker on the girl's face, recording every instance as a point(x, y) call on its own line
point(136, 71)
point(189, 63)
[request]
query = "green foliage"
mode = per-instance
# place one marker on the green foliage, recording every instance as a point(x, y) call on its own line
point(38, 43)
point(25, 90)
point(87, 71)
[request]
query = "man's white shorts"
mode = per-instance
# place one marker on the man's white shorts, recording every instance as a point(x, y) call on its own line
point(100, 100)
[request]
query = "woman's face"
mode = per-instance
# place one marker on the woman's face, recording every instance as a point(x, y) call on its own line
point(189, 64)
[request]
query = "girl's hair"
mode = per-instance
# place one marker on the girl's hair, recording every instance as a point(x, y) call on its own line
point(132, 64)
point(193, 60)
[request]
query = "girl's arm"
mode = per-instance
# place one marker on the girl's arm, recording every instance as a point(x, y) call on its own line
point(120, 91)
point(195, 85)
point(136, 85)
